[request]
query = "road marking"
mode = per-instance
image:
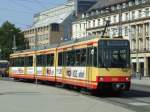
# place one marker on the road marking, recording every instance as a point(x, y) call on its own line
point(139, 104)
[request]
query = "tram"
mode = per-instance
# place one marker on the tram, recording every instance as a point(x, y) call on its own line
point(94, 63)
point(4, 65)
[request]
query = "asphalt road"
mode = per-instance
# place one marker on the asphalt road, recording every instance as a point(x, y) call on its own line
point(27, 97)
point(137, 99)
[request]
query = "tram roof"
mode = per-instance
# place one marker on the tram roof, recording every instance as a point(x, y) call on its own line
point(65, 43)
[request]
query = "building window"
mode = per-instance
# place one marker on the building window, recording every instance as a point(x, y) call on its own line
point(89, 24)
point(104, 21)
point(112, 8)
point(147, 29)
point(115, 19)
point(147, 12)
point(76, 26)
point(84, 25)
point(118, 6)
point(55, 27)
point(80, 26)
point(114, 31)
point(124, 5)
point(133, 14)
point(93, 23)
point(139, 1)
point(126, 31)
point(83, 15)
point(130, 3)
point(127, 16)
point(99, 22)
point(140, 13)
point(109, 19)
point(97, 11)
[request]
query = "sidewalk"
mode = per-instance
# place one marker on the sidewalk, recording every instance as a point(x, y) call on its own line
point(143, 81)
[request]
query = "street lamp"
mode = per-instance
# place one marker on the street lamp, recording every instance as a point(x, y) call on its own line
point(14, 48)
point(14, 44)
point(0, 53)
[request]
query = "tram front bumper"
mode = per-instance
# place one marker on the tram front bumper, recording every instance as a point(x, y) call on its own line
point(114, 83)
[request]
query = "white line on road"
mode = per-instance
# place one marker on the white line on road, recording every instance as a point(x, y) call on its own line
point(138, 104)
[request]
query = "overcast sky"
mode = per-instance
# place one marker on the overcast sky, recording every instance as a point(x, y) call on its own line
point(20, 12)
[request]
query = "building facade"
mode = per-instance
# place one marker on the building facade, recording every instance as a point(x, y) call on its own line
point(129, 18)
point(48, 26)
point(55, 25)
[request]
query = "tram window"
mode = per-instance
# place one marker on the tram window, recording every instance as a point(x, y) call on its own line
point(60, 59)
point(26, 61)
point(77, 56)
point(22, 61)
point(67, 58)
point(95, 57)
point(50, 60)
point(11, 62)
point(64, 58)
point(89, 56)
point(14, 62)
point(83, 57)
point(92, 56)
point(44, 58)
point(70, 58)
point(30, 61)
point(18, 62)
point(39, 60)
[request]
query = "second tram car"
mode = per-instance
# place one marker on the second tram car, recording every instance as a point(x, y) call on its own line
point(93, 63)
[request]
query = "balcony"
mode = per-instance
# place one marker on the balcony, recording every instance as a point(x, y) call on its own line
point(147, 34)
point(133, 50)
point(133, 37)
point(140, 37)
point(147, 49)
point(141, 50)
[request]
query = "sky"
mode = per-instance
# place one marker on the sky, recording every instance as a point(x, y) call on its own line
point(20, 12)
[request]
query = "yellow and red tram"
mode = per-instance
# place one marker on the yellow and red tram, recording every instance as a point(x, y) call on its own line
point(93, 63)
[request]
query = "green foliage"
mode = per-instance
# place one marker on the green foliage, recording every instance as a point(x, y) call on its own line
point(7, 33)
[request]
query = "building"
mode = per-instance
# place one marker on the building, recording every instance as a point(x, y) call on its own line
point(55, 25)
point(129, 18)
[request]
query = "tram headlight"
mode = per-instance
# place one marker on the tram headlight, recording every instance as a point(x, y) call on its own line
point(101, 79)
point(127, 78)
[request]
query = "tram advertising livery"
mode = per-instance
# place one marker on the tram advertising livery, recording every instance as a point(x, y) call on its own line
point(94, 63)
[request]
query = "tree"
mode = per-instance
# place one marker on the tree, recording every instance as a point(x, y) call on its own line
point(7, 33)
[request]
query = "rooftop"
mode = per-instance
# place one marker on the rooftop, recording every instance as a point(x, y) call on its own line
point(105, 3)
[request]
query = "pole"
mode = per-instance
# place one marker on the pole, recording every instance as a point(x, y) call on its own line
point(35, 64)
point(137, 51)
point(14, 44)
point(120, 22)
point(0, 53)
